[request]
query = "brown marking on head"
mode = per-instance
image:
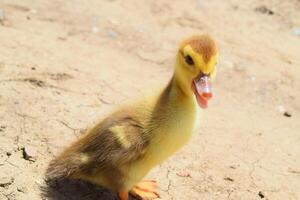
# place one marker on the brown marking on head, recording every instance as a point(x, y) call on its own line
point(202, 44)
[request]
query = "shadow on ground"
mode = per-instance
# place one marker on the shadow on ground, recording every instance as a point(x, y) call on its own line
point(67, 189)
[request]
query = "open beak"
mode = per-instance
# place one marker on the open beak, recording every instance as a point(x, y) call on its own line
point(202, 89)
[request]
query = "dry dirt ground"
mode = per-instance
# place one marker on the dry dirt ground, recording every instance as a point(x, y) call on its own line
point(64, 64)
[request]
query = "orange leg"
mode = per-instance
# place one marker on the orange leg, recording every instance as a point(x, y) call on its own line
point(123, 194)
point(145, 190)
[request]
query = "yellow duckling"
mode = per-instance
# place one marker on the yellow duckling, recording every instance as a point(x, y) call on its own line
point(121, 149)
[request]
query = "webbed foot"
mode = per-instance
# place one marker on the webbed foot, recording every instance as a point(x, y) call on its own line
point(145, 190)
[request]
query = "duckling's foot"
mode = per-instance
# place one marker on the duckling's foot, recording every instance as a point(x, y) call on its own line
point(145, 190)
point(123, 194)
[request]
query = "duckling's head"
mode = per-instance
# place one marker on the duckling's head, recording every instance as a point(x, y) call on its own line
point(196, 67)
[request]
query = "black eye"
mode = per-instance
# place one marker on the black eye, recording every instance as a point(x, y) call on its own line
point(189, 60)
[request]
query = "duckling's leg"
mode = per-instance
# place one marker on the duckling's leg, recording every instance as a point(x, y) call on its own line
point(123, 194)
point(145, 190)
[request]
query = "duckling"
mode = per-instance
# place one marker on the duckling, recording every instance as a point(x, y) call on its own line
point(121, 149)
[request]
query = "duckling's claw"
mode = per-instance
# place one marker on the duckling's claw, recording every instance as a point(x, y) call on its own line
point(145, 190)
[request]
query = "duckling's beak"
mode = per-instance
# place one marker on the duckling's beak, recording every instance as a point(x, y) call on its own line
point(202, 89)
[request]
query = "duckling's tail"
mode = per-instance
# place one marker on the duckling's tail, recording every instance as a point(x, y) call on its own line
point(66, 165)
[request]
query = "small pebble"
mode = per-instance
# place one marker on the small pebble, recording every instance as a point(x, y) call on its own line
point(287, 114)
point(62, 38)
point(8, 153)
point(183, 174)
point(260, 194)
point(82, 130)
point(22, 189)
point(2, 128)
point(111, 33)
point(29, 153)
point(259, 134)
point(264, 10)
point(228, 179)
point(290, 170)
point(6, 181)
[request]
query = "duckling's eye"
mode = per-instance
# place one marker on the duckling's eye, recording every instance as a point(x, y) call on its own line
point(189, 60)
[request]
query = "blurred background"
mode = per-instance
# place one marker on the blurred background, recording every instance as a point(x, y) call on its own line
point(65, 63)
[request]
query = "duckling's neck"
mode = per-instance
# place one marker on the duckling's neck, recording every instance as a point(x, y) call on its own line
point(181, 95)
point(180, 85)
point(174, 102)
point(178, 88)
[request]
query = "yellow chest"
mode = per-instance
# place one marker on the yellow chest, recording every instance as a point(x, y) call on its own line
point(168, 138)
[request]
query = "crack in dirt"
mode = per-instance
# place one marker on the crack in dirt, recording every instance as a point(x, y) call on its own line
point(8, 196)
point(229, 192)
point(253, 168)
point(75, 130)
point(149, 60)
point(103, 100)
point(169, 184)
point(12, 164)
point(42, 84)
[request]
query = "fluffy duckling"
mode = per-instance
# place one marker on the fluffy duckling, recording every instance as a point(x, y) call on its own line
point(121, 149)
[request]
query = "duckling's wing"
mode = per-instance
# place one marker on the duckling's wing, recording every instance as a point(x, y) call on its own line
point(119, 139)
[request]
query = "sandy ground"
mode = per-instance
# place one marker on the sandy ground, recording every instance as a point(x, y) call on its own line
point(64, 64)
